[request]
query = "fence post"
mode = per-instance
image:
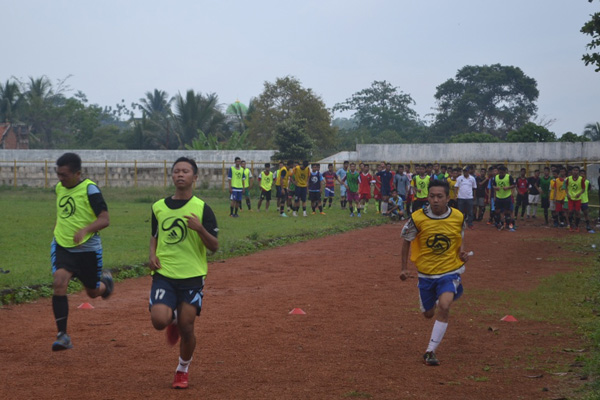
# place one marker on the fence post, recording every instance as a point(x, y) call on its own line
point(135, 173)
point(45, 173)
point(105, 173)
point(165, 174)
point(526, 168)
point(223, 176)
point(15, 173)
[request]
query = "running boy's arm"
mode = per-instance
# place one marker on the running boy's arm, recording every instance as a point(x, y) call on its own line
point(409, 233)
point(100, 208)
point(153, 261)
point(206, 229)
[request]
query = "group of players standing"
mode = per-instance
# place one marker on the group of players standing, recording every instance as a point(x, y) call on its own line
point(562, 192)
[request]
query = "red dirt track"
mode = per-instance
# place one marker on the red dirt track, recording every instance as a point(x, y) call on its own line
point(362, 335)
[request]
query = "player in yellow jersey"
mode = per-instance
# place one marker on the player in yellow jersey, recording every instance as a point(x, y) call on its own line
point(585, 199)
point(575, 186)
point(451, 184)
point(434, 237)
point(247, 182)
point(560, 194)
point(265, 181)
point(184, 228)
point(76, 250)
point(299, 177)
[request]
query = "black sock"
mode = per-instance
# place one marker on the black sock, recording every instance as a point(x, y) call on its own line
point(497, 219)
point(235, 210)
point(304, 208)
point(248, 203)
point(320, 208)
point(230, 210)
point(577, 220)
point(313, 208)
point(546, 214)
point(60, 306)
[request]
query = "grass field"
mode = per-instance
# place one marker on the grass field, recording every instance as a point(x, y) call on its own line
point(28, 216)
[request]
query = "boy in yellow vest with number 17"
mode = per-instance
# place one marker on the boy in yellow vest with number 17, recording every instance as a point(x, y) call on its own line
point(184, 229)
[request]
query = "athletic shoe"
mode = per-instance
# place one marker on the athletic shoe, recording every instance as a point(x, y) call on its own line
point(512, 230)
point(107, 279)
point(314, 212)
point(322, 213)
point(235, 216)
point(352, 214)
point(591, 231)
point(576, 230)
point(63, 342)
point(181, 380)
point(358, 215)
point(500, 226)
point(304, 213)
point(295, 214)
point(430, 359)
point(489, 222)
point(283, 215)
point(172, 333)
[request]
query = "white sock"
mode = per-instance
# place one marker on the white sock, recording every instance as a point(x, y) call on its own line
point(437, 334)
point(183, 365)
point(534, 209)
point(384, 207)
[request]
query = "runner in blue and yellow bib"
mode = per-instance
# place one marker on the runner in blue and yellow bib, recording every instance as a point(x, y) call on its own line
point(434, 237)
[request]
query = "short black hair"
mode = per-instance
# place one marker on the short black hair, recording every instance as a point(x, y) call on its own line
point(438, 183)
point(237, 158)
point(71, 160)
point(329, 165)
point(187, 160)
point(268, 165)
point(346, 162)
point(502, 168)
point(290, 163)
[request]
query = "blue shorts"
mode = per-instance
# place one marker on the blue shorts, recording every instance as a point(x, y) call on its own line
point(585, 206)
point(386, 191)
point(342, 191)
point(329, 192)
point(172, 292)
point(430, 289)
point(236, 195)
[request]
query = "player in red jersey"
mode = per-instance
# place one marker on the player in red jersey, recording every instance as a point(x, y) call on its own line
point(522, 194)
point(377, 189)
point(330, 177)
point(365, 180)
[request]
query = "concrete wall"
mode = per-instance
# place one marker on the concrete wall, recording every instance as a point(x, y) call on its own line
point(124, 168)
point(480, 152)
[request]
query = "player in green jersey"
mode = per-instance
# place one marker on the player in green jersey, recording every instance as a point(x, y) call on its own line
point(184, 229)
point(76, 250)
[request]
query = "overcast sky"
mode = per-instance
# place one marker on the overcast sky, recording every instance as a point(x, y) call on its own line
point(122, 49)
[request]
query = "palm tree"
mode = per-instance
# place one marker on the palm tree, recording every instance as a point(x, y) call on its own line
point(157, 107)
point(592, 131)
point(10, 101)
point(197, 112)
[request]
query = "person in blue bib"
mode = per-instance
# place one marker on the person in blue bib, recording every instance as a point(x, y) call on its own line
point(76, 249)
point(184, 229)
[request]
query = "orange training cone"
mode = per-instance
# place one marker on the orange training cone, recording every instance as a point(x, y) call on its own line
point(297, 311)
point(508, 318)
point(86, 306)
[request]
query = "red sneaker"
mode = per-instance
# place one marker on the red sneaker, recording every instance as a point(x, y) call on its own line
point(181, 380)
point(172, 334)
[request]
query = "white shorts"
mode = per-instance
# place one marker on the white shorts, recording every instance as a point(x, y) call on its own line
point(534, 199)
point(552, 206)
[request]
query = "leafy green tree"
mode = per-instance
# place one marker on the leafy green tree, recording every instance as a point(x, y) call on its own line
point(572, 137)
point(592, 28)
point(531, 132)
point(495, 99)
point(592, 131)
point(381, 107)
point(285, 99)
point(292, 140)
point(11, 101)
point(474, 137)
